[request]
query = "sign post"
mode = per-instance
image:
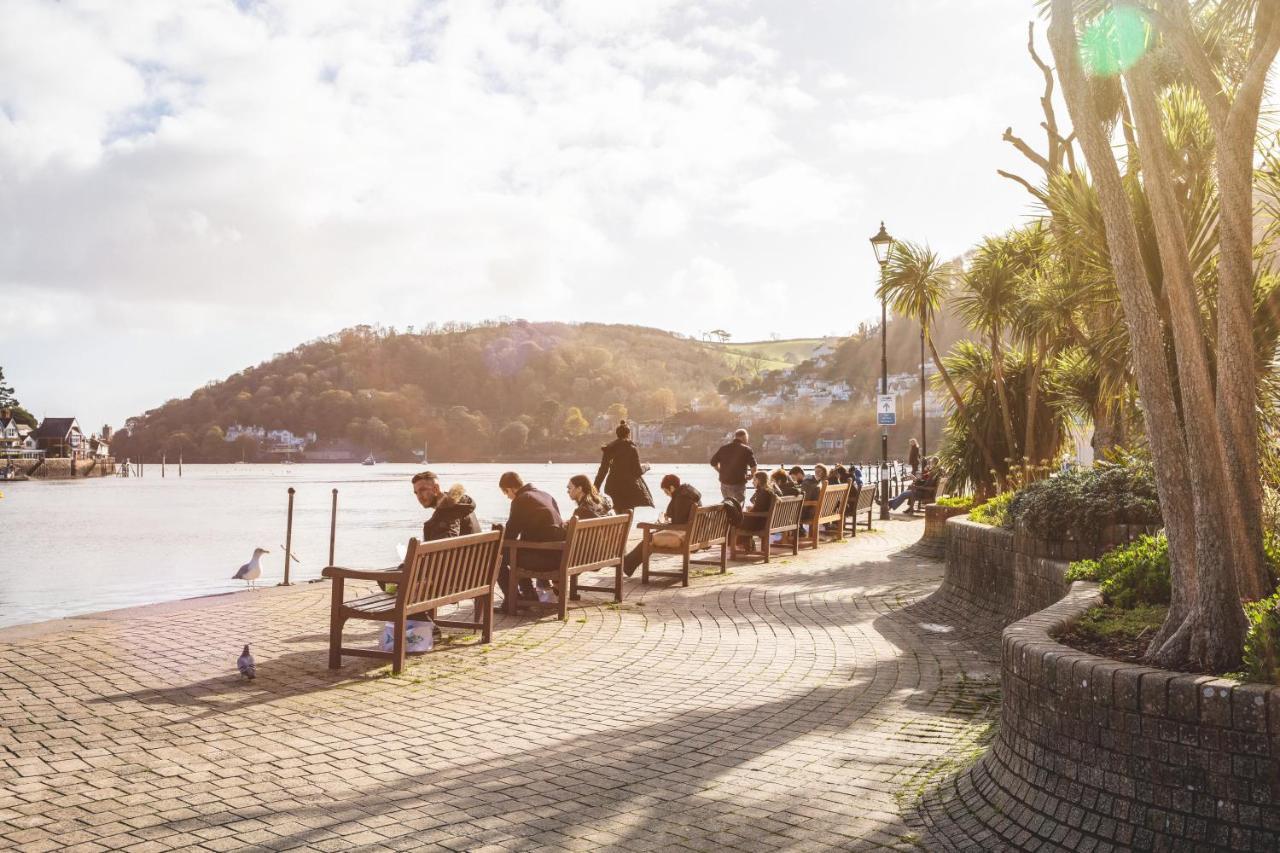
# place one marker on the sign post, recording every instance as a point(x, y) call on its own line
point(887, 410)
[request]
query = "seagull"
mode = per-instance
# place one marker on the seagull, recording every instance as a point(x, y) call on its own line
point(245, 664)
point(251, 571)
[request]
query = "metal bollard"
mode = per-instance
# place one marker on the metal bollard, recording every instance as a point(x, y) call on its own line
point(333, 525)
point(288, 540)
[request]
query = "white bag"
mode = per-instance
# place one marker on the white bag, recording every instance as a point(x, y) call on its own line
point(546, 596)
point(418, 636)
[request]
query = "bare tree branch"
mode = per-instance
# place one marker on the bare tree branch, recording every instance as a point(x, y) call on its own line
point(1027, 151)
point(1025, 183)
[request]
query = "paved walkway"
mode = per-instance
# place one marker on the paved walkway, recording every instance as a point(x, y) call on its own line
point(793, 706)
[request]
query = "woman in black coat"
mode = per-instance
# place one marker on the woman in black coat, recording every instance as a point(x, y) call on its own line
point(625, 475)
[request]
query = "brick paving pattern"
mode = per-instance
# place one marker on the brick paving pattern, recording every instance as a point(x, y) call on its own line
point(800, 705)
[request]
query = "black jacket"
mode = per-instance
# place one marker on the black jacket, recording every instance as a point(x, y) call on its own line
point(451, 519)
point(789, 488)
point(685, 500)
point(625, 483)
point(736, 463)
point(590, 507)
point(535, 517)
point(762, 500)
point(811, 487)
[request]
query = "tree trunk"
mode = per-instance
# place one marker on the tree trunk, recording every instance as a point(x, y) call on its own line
point(983, 447)
point(1033, 391)
point(1208, 628)
point(1006, 419)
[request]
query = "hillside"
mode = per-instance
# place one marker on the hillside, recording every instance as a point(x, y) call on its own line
point(469, 391)
point(495, 390)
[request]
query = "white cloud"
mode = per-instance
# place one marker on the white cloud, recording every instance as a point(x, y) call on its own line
point(913, 125)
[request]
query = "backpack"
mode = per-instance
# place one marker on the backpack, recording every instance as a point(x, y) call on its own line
point(733, 512)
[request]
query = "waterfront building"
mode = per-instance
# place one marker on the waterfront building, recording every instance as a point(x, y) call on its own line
point(61, 438)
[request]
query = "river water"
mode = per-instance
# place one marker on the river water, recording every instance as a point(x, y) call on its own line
point(72, 547)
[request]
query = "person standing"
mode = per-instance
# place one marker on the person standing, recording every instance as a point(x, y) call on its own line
point(913, 457)
point(736, 462)
point(621, 473)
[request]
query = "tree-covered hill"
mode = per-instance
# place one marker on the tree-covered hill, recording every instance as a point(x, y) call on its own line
point(471, 392)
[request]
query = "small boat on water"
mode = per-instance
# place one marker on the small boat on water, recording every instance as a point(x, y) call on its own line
point(369, 460)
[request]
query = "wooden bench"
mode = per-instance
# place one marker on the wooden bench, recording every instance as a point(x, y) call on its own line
point(434, 574)
point(783, 517)
point(827, 508)
point(860, 500)
point(926, 496)
point(590, 544)
point(708, 527)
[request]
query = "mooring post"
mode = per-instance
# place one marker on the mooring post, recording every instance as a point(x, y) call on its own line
point(162, 461)
point(333, 525)
point(179, 464)
point(288, 540)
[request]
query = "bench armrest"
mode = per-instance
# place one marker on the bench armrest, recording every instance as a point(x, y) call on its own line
point(651, 525)
point(391, 575)
point(532, 546)
point(756, 514)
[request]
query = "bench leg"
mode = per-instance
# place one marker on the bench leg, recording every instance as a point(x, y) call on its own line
point(509, 594)
point(795, 542)
point(335, 625)
point(617, 583)
point(684, 570)
point(766, 545)
point(644, 567)
point(484, 604)
point(562, 594)
point(397, 648)
point(724, 557)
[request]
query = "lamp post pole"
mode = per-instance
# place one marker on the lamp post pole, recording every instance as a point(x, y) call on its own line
point(881, 243)
point(924, 424)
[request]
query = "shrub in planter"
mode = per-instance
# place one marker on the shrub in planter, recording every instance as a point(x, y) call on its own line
point(1134, 575)
point(1077, 504)
point(1262, 643)
point(965, 502)
point(994, 512)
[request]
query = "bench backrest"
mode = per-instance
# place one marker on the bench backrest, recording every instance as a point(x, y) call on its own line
point(941, 491)
point(865, 496)
point(591, 543)
point(831, 502)
point(709, 526)
point(449, 568)
point(786, 514)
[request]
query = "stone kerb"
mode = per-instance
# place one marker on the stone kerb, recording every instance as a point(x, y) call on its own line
point(1094, 753)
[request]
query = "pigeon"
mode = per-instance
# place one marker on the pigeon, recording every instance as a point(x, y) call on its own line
point(245, 664)
point(251, 571)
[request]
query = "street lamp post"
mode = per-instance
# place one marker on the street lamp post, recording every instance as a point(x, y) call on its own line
point(881, 243)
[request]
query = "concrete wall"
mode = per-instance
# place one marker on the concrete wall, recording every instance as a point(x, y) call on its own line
point(60, 469)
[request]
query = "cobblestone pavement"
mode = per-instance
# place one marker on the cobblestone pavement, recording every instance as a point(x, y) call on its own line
point(794, 706)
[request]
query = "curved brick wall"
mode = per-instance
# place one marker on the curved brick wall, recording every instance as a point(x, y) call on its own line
point(1011, 574)
point(934, 539)
point(1094, 754)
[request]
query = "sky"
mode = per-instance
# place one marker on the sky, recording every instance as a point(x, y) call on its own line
point(189, 188)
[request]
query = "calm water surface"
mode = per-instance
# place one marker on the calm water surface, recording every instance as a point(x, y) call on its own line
point(77, 547)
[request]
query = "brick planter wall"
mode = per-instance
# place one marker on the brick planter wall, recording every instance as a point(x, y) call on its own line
point(934, 539)
point(1095, 754)
point(1012, 574)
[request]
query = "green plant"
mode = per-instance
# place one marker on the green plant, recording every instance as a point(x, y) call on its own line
point(1077, 504)
point(963, 502)
point(994, 512)
point(1132, 576)
point(1262, 642)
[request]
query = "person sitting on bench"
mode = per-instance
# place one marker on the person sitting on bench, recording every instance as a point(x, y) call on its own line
point(535, 517)
point(922, 487)
point(684, 500)
point(762, 500)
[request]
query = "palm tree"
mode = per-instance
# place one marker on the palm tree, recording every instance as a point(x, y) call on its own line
point(915, 284)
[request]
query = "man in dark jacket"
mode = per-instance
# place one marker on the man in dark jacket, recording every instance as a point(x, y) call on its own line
point(453, 512)
point(736, 462)
point(535, 517)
